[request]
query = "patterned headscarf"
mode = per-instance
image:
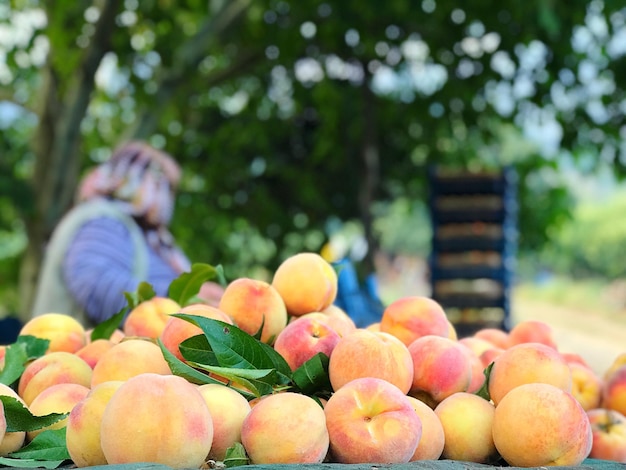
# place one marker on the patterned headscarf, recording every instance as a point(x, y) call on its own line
point(142, 181)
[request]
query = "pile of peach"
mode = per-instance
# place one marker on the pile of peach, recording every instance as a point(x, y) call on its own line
point(404, 389)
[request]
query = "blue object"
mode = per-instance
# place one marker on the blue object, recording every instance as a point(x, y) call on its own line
point(9, 330)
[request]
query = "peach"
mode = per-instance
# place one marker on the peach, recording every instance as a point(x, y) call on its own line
point(373, 327)
point(467, 420)
point(532, 331)
point(441, 367)
point(409, 318)
point(452, 333)
point(538, 424)
point(228, 409)
point(304, 337)
point(476, 345)
point(83, 425)
point(50, 369)
point(178, 330)
point(370, 420)
point(478, 375)
point(499, 338)
point(58, 398)
point(432, 441)
point(586, 386)
point(490, 355)
point(299, 421)
point(148, 318)
point(339, 320)
point(11, 441)
point(614, 391)
point(608, 428)
point(127, 359)
point(618, 362)
point(306, 282)
point(64, 332)
point(367, 353)
point(528, 363)
point(253, 304)
point(93, 350)
point(156, 418)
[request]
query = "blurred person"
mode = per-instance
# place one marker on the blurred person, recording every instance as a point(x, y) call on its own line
point(115, 237)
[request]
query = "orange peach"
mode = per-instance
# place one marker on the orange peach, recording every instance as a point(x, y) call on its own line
point(538, 424)
point(64, 332)
point(228, 409)
point(467, 420)
point(608, 428)
point(162, 419)
point(59, 398)
point(367, 353)
point(409, 318)
point(370, 420)
point(441, 367)
point(149, 317)
point(339, 320)
point(11, 441)
point(178, 330)
point(614, 391)
point(306, 282)
point(528, 363)
point(304, 337)
point(432, 441)
point(128, 359)
point(373, 327)
point(299, 421)
point(83, 425)
point(532, 331)
point(50, 369)
point(586, 386)
point(93, 350)
point(253, 304)
point(499, 338)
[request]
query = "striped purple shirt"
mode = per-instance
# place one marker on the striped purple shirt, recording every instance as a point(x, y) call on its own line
point(98, 268)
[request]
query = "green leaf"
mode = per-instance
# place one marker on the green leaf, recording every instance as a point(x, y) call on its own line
point(105, 329)
point(184, 370)
point(197, 349)
point(19, 417)
point(312, 376)
point(236, 456)
point(30, 463)
point(483, 392)
point(185, 287)
point(18, 354)
point(258, 381)
point(47, 445)
point(144, 292)
point(234, 348)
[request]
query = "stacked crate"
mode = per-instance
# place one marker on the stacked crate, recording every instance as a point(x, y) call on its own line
point(474, 242)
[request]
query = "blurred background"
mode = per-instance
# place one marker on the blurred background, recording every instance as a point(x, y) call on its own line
point(302, 122)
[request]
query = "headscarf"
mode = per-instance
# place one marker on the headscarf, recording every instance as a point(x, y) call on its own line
point(142, 181)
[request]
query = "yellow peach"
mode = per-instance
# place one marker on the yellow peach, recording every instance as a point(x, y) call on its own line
point(586, 386)
point(614, 391)
point(148, 318)
point(93, 350)
point(432, 441)
point(532, 331)
point(409, 318)
point(339, 320)
point(64, 332)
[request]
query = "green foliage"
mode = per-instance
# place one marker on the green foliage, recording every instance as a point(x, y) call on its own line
point(19, 354)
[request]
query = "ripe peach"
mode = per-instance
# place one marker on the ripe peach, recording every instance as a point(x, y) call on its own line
point(538, 424)
point(178, 330)
point(608, 428)
point(64, 332)
point(155, 418)
point(499, 338)
point(490, 355)
point(476, 345)
point(478, 375)
point(528, 363)
point(306, 282)
point(149, 317)
point(618, 362)
point(367, 353)
point(83, 425)
point(586, 386)
point(409, 318)
point(50, 369)
point(299, 421)
point(467, 420)
point(373, 327)
point(228, 409)
point(441, 367)
point(127, 359)
point(432, 441)
point(58, 398)
point(304, 337)
point(614, 391)
point(370, 420)
point(253, 304)
point(93, 350)
point(11, 441)
point(532, 331)
point(339, 320)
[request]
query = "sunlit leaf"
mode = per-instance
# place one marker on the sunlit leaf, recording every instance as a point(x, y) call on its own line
point(236, 456)
point(17, 355)
point(19, 417)
point(186, 286)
